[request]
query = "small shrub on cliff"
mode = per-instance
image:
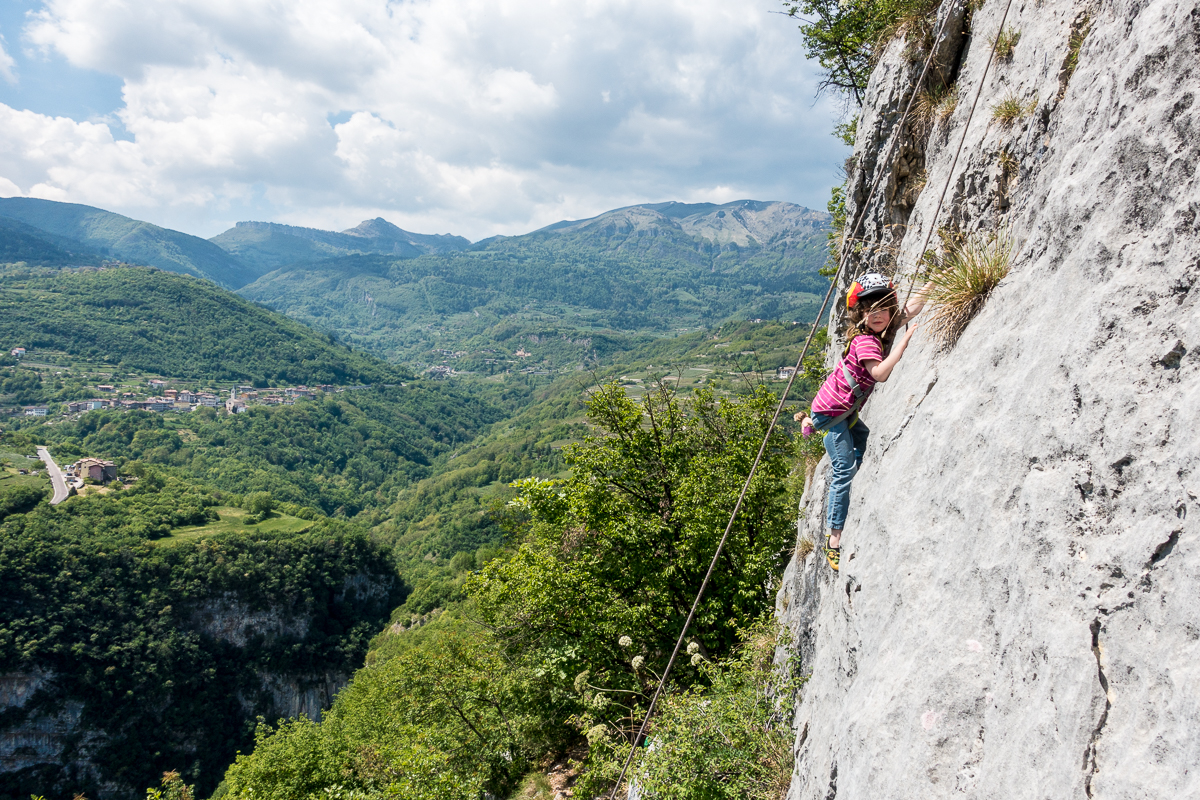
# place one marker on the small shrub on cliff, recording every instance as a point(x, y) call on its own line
point(962, 280)
point(1006, 43)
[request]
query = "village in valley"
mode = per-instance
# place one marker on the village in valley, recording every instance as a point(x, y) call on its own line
point(163, 395)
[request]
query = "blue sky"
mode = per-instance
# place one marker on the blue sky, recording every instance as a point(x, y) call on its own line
point(474, 117)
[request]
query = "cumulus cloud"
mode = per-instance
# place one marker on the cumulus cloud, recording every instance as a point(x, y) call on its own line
point(472, 116)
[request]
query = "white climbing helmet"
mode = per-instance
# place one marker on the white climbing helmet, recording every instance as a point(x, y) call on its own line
point(871, 286)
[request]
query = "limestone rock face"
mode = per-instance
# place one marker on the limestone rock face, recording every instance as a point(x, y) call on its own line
point(1017, 612)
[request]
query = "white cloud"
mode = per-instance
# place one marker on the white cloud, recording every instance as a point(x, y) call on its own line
point(472, 116)
point(6, 65)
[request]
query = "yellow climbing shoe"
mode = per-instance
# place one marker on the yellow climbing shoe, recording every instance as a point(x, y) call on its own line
point(832, 555)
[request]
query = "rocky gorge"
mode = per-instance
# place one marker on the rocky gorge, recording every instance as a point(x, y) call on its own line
point(1015, 613)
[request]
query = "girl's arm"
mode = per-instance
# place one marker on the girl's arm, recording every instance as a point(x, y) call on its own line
point(882, 370)
point(915, 304)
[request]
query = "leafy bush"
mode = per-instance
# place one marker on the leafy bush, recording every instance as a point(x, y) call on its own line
point(446, 718)
point(259, 504)
point(618, 550)
point(727, 738)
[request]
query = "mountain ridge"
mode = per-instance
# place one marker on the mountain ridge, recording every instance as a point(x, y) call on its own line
point(127, 239)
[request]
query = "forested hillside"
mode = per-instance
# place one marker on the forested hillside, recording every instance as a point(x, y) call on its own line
point(571, 293)
point(174, 325)
point(130, 240)
point(25, 244)
point(135, 653)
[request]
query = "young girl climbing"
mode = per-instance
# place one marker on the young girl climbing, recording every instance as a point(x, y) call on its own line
point(870, 357)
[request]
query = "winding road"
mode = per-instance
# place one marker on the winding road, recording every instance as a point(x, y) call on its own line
point(56, 477)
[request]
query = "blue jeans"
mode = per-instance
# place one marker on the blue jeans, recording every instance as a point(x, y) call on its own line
point(845, 443)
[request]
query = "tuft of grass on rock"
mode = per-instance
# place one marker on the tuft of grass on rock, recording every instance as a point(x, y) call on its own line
point(804, 549)
point(1008, 163)
point(1012, 108)
point(1079, 33)
point(934, 106)
point(1006, 43)
point(963, 279)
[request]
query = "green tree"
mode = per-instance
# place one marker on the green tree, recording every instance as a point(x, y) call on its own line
point(599, 588)
point(846, 36)
point(840, 35)
point(259, 503)
point(447, 718)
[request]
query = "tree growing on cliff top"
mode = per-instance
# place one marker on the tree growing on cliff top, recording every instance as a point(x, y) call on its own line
point(846, 36)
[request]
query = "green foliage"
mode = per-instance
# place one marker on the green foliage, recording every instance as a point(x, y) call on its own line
point(259, 503)
point(173, 788)
point(847, 131)
point(620, 547)
point(133, 632)
point(22, 386)
point(447, 718)
point(726, 738)
point(1011, 108)
point(1006, 43)
point(156, 322)
point(837, 230)
point(846, 36)
point(19, 499)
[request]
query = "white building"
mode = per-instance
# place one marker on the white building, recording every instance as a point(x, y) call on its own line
point(36, 411)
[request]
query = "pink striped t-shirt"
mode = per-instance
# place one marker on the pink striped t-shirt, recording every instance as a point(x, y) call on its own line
point(834, 398)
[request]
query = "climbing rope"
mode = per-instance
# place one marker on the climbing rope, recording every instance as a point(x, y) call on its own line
point(859, 216)
point(961, 141)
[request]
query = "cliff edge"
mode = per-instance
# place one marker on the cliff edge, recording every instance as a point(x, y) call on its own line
point(1016, 614)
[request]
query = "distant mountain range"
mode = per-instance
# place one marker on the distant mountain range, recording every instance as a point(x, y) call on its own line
point(265, 246)
point(643, 269)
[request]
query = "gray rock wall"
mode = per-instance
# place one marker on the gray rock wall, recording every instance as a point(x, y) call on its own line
point(1018, 611)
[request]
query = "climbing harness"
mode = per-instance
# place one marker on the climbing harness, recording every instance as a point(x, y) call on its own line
point(858, 220)
point(860, 397)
